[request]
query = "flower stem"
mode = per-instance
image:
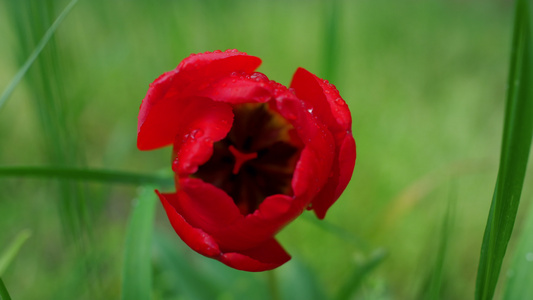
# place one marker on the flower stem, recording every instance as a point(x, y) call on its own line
point(4, 295)
point(273, 285)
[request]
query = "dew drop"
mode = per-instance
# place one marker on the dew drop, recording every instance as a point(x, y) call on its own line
point(197, 133)
point(258, 76)
point(339, 101)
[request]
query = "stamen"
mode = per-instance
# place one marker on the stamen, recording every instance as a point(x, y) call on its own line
point(240, 158)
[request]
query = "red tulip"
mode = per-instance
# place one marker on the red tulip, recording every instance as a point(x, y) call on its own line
point(249, 154)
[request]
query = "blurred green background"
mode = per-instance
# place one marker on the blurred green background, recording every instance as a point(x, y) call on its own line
point(425, 82)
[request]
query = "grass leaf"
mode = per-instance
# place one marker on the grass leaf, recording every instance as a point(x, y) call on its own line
point(516, 143)
point(35, 53)
point(137, 268)
point(104, 176)
point(330, 59)
point(298, 282)
point(359, 274)
point(4, 295)
point(188, 280)
point(432, 289)
point(521, 271)
point(338, 231)
point(11, 251)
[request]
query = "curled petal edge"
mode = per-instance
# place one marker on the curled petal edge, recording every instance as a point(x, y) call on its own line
point(266, 256)
point(341, 174)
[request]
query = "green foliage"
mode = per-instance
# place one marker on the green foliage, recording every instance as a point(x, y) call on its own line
point(137, 268)
point(424, 81)
point(104, 176)
point(520, 274)
point(11, 251)
point(4, 295)
point(360, 273)
point(437, 271)
point(516, 144)
point(35, 53)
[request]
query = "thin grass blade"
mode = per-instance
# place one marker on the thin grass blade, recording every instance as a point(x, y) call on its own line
point(516, 143)
point(103, 176)
point(137, 268)
point(11, 251)
point(330, 51)
point(188, 281)
point(298, 282)
point(339, 232)
point(359, 274)
point(433, 288)
point(35, 53)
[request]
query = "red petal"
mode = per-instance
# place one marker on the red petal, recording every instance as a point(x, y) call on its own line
point(317, 155)
point(266, 256)
point(324, 101)
point(195, 238)
point(239, 88)
point(199, 124)
point(340, 176)
point(157, 127)
point(272, 215)
point(212, 120)
point(209, 208)
point(205, 206)
point(218, 62)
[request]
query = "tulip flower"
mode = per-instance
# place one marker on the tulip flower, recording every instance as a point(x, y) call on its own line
point(249, 154)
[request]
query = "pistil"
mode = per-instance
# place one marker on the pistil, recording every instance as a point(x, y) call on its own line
point(240, 158)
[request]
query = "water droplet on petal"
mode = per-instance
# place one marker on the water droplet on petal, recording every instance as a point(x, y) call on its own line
point(340, 102)
point(197, 133)
point(258, 76)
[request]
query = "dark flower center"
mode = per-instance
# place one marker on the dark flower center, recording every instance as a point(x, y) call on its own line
point(255, 160)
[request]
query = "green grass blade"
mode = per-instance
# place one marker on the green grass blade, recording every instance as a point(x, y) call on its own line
point(516, 143)
point(11, 251)
point(103, 176)
point(521, 271)
point(4, 295)
point(331, 39)
point(188, 280)
point(359, 274)
point(338, 231)
point(36, 25)
point(432, 289)
point(298, 282)
point(35, 53)
point(137, 268)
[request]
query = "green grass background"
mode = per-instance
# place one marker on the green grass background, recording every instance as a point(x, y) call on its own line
point(425, 82)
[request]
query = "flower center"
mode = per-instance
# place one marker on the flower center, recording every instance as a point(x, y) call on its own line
point(256, 159)
point(240, 158)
